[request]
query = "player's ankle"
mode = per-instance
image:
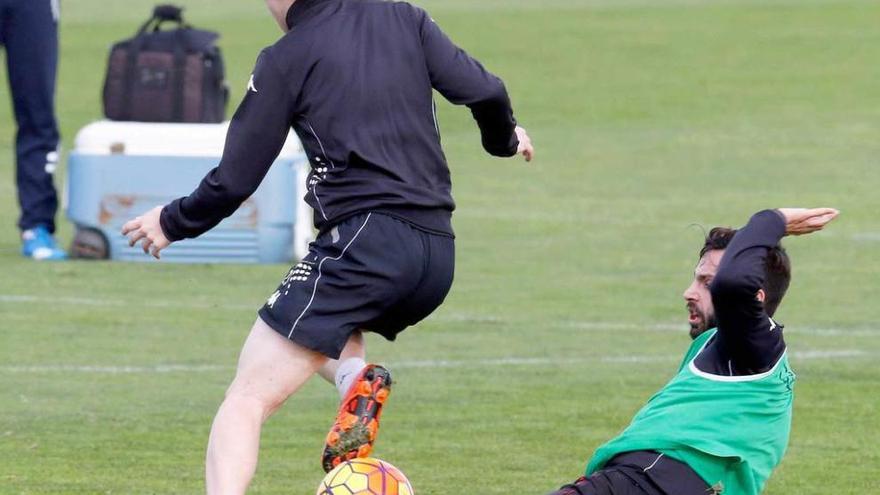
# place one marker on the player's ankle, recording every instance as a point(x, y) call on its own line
point(347, 373)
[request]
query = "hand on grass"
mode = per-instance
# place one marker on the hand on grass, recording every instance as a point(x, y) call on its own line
point(147, 227)
point(525, 147)
point(800, 221)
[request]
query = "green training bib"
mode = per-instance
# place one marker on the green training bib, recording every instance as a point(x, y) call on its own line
point(731, 430)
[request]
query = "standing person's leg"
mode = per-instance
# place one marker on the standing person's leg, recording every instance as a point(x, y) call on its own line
point(341, 372)
point(270, 369)
point(31, 38)
point(3, 22)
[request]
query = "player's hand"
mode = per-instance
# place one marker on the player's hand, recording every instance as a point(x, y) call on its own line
point(525, 147)
point(147, 227)
point(800, 221)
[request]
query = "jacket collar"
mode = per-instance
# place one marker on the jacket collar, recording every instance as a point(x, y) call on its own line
point(302, 10)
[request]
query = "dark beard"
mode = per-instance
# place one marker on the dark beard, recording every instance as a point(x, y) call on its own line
point(705, 324)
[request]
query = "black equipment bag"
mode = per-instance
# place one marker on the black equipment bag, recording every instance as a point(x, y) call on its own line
point(174, 75)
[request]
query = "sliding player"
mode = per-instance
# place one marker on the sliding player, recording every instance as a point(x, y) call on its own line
point(721, 425)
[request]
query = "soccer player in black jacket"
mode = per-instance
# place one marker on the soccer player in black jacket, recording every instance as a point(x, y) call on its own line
point(355, 80)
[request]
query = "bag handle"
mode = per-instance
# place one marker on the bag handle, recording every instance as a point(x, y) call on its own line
point(162, 14)
point(168, 12)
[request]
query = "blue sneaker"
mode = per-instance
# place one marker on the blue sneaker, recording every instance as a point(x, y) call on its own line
point(39, 244)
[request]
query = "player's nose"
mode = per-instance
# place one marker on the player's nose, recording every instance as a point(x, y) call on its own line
point(690, 294)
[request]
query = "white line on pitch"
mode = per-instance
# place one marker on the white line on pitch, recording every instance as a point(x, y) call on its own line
point(428, 363)
point(87, 301)
point(867, 236)
point(113, 370)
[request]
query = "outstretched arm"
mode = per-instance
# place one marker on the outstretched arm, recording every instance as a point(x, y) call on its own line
point(463, 81)
point(746, 333)
point(255, 137)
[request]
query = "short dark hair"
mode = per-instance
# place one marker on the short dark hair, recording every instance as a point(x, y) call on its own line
point(777, 269)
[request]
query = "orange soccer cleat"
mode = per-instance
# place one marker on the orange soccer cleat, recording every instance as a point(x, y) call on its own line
point(357, 422)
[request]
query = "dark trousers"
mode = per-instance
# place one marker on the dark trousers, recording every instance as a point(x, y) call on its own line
point(29, 32)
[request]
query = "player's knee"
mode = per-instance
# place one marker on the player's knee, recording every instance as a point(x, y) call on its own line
point(263, 402)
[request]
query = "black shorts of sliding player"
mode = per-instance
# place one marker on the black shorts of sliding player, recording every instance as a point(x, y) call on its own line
point(670, 476)
point(642, 472)
point(611, 481)
point(369, 272)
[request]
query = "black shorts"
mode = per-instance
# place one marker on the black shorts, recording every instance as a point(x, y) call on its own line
point(642, 472)
point(369, 272)
point(612, 481)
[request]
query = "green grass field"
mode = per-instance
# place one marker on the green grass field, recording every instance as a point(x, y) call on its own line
point(649, 116)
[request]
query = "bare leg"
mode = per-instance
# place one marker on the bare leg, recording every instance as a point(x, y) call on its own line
point(353, 348)
point(270, 369)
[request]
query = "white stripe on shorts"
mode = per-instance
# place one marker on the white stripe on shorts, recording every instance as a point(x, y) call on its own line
point(318, 278)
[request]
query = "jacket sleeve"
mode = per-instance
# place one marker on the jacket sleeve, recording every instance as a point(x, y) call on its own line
point(463, 81)
point(751, 339)
point(256, 135)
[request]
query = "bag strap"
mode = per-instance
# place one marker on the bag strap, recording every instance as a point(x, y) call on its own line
point(132, 53)
point(179, 76)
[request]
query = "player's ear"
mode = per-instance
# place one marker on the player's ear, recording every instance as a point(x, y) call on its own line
point(279, 9)
point(761, 295)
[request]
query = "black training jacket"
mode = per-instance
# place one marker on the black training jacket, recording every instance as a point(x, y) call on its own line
point(748, 341)
point(354, 79)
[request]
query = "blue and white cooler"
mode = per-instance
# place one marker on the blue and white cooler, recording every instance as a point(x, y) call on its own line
point(119, 170)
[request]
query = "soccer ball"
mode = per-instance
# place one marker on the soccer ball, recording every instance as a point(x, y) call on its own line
point(365, 477)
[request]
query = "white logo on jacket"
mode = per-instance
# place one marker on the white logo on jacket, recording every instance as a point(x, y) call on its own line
point(251, 86)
